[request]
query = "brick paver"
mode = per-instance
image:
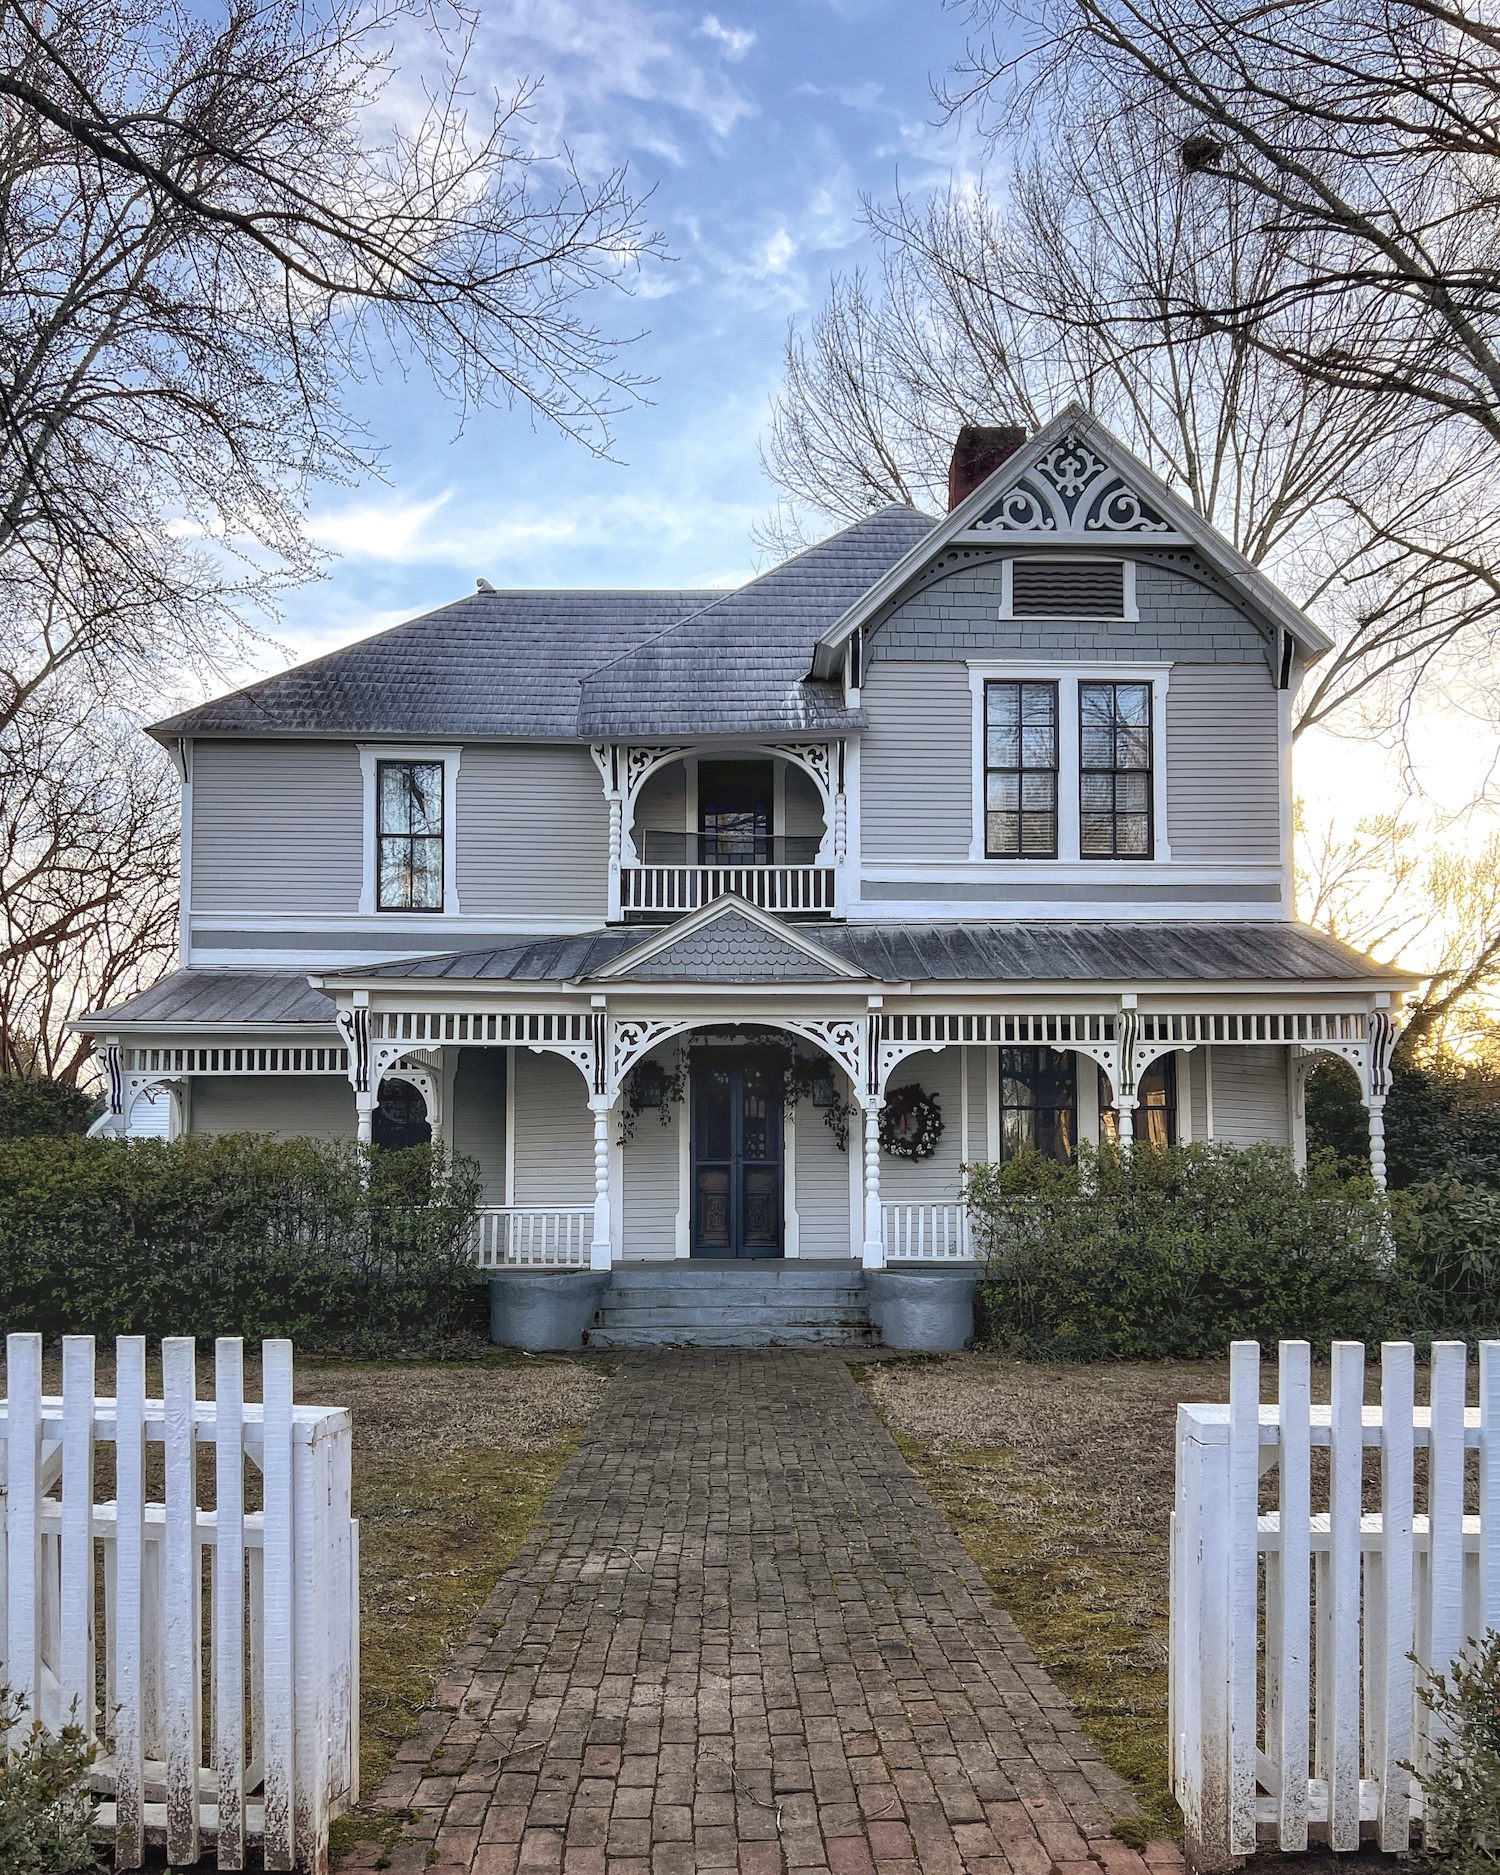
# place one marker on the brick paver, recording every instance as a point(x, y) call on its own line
point(742, 1638)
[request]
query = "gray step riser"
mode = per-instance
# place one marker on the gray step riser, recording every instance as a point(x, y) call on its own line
point(679, 1336)
point(735, 1318)
point(830, 1297)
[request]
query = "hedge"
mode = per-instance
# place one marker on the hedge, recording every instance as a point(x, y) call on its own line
point(337, 1246)
point(1177, 1252)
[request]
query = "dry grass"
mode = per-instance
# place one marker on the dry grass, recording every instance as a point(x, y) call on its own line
point(1059, 1480)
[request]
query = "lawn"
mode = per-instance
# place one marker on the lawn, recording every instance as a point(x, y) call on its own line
point(1059, 1481)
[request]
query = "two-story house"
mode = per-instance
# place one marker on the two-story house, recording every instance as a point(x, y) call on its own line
point(647, 900)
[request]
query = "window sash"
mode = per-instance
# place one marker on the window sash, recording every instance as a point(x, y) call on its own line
point(409, 808)
point(1038, 1103)
point(1116, 817)
point(1021, 725)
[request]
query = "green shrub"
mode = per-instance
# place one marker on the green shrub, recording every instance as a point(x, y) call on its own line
point(46, 1811)
point(328, 1243)
point(1177, 1252)
point(1461, 1784)
point(30, 1107)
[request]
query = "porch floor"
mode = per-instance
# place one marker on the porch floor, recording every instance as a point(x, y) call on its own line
point(741, 1637)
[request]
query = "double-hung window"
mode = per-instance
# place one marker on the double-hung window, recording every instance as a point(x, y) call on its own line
point(409, 836)
point(1020, 772)
point(1114, 759)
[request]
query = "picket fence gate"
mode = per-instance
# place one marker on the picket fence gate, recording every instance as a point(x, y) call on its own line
point(1301, 1639)
point(104, 1603)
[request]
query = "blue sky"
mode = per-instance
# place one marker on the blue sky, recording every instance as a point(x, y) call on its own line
point(757, 127)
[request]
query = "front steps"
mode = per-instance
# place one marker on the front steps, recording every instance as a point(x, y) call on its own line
point(703, 1302)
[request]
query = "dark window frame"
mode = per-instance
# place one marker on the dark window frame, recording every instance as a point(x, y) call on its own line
point(1021, 685)
point(1029, 1066)
point(1116, 771)
point(385, 839)
point(1158, 1094)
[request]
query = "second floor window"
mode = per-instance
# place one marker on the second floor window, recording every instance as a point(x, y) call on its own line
point(1020, 771)
point(1114, 757)
point(409, 835)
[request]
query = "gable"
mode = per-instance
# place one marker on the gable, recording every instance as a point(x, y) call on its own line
point(729, 950)
point(1070, 491)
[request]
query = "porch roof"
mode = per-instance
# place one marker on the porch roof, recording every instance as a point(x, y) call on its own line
point(213, 998)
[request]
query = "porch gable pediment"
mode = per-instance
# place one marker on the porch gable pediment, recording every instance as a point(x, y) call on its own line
point(729, 941)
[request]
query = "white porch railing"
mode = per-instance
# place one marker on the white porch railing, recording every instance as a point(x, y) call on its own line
point(925, 1232)
point(508, 1235)
point(282, 1629)
point(1346, 1598)
point(685, 888)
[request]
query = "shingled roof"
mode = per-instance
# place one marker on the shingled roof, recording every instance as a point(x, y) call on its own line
point(564, 664)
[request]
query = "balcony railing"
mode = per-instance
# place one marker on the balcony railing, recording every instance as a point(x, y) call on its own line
point(685, 888)
point(922, 1233)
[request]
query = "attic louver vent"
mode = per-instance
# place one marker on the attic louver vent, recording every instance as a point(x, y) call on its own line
point(1067, 589)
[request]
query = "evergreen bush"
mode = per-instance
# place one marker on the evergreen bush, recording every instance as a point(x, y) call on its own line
point(1461, 1783)
point(1177, 1252)
point(28, 1107)
point(46, 1810)
point(332, 1244)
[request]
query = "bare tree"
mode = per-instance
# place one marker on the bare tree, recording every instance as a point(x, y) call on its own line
point(211, 224)
point(88, 875)
point(1069, 284)
point(1389, 888)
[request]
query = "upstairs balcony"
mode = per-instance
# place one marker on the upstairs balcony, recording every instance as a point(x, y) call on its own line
point(764, 824)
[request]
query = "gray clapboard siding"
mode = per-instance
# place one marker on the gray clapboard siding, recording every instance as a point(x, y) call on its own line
point(532, 833)
point(916, 762)
point(935, 1180)
point(1250, 1097)
point(476, 1128)
point(661, 805)
point(822, 1184)
point(291, 1106)
point(804, 805)
point(959, 617)
point(554, 1132)
point(652, 1177)
point(277, 826)
point(1192, 1092)
point(1223, 764)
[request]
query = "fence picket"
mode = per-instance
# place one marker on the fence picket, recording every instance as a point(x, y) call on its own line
point(1294, 1390)
point(1244, 1457)
point(1393, 1742)
point(76, 1660)
point(1445, 1503)
point(229, 1598)
point(277, 1722)
point(1346, 1459)
point(1489, 1487)
point(23, 1526)
point(182, 1618)
point(127, 1625)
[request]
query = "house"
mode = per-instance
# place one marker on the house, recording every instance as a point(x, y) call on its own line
point(654, 903)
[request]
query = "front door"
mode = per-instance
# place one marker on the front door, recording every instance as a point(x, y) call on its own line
point(736, 1155)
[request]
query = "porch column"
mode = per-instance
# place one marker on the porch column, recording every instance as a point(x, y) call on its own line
point(1125, 1110)
point(1376, 1106)
point(874, 1245)
point(601, 1249)
point(364, 1102)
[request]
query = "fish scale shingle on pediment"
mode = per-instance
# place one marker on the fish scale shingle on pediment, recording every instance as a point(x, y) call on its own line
point(732, 949)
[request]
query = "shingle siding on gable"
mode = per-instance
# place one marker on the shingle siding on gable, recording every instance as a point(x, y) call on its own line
point(532, 833)
point(277, 827)
point(730, 950)
point(916, 762)
point(958, 617)
point(1223, 764)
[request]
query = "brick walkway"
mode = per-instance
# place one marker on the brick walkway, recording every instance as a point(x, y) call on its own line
point(741, 1637)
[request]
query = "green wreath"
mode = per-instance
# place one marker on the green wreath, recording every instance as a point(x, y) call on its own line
point(910, 1123)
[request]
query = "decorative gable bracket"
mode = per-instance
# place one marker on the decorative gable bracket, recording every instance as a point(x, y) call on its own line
point(1070, 491)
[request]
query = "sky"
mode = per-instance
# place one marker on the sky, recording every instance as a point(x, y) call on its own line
point(756, 128)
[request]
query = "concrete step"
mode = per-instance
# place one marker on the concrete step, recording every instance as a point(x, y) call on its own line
point(750, 1313)
point(743, 1295)
point(685, 1333)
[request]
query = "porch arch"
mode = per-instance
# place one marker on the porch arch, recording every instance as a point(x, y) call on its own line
point(626, 772)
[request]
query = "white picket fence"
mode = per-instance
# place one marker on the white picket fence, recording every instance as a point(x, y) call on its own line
point(211, 1733)
point(1293, 1703)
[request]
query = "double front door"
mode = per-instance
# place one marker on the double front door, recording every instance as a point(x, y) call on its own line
point(737, 1168)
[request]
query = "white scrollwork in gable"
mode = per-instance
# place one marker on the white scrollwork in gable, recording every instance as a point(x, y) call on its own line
point(1071, 490)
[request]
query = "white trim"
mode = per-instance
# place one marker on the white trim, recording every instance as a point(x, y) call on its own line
point(185, 870)
point(369, 754)
point(683, 1231)
point(1130, 615)
point(510, 1127)
point(1208, 1094)
point(992, 1105)
point(791, 1233)
point(1068, 677)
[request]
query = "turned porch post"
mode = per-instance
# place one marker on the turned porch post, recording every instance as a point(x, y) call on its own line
point(873, 1255)
point(601, 1249)
point(1376, 1107)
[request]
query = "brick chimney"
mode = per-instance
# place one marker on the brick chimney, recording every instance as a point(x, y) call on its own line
point(979, 451)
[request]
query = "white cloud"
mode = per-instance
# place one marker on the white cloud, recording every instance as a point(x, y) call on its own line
point(777, 254)
point(376, 530)
point(736, 40)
